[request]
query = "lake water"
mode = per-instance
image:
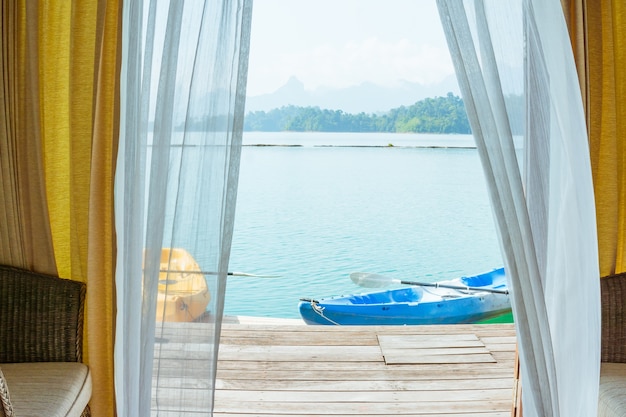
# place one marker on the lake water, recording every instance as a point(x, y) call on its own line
point(328, 204)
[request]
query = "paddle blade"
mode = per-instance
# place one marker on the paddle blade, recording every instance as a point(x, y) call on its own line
point(368, 280)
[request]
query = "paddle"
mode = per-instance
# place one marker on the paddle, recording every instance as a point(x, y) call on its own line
point(368, 280)
point(234, 274)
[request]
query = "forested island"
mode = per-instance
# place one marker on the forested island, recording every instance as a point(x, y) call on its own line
point(430, 115)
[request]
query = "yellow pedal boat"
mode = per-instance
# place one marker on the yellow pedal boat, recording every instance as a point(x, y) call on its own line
point(183, 293)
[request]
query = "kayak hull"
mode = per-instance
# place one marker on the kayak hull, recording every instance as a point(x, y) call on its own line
point(414, 305)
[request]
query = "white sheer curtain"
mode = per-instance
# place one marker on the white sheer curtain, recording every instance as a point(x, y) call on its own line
point(183, 81)
point(516, 71)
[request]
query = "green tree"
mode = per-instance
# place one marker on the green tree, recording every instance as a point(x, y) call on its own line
point(430, 115)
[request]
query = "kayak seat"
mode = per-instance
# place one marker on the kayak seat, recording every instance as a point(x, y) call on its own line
point(478, 281)
point(406, 295)
point(409, 295)
point(482, 279)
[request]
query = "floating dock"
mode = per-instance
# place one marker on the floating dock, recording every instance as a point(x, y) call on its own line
point(275, 368)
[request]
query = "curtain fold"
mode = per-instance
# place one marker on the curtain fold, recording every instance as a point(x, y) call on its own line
point(598, 36)
point(184, 68)
point(539, 178)
point(59, 111)
point(101, 253)
point(26, 235)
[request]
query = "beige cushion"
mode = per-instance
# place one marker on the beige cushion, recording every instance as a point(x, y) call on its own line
point(5, 398)
point(48, 389)
point(612, 402)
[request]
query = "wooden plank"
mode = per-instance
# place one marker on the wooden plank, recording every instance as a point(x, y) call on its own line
point(414, 414)
point(218, 414)
point(323, 369)
point(425, 369)
point(358, 409)
point(436, 352)
point(176, 383)
point(359, 385)
point(404, 359)
point(281, 338)
point(429, 341)
point(501, 347)
point(367, 396)
point(423, 344)
point(262, 320)
point(486, 329)
point(201, 351)
point(347, 339)
point(310, 413)
point(504, 356)
point(174, 396)
point(395, 373)
point(298, 353)
point(499, 339)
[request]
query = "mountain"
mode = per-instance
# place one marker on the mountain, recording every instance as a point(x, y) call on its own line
point(366, 97)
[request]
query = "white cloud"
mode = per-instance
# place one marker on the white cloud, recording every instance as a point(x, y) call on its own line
point(352, 63)
point(341, 43)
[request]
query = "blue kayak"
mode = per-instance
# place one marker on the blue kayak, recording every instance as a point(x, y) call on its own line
point(461, 300)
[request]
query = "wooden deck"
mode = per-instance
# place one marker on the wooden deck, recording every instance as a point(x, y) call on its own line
point(295, 370)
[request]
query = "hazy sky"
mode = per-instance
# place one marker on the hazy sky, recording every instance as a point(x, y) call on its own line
point(338, 43)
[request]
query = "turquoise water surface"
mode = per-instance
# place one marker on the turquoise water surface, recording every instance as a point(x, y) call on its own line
point(315, 213)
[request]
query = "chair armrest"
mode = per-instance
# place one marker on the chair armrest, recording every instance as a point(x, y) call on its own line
point(6, 409)
point(41, 317)
point(613, 292)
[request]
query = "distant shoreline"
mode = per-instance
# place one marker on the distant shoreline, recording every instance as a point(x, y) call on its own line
point(318, 140)
point(263, 145)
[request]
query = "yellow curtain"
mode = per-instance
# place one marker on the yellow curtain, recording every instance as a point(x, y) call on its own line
point(100, 224)
point(598, 33)
point(25, 236)
point(60, 105)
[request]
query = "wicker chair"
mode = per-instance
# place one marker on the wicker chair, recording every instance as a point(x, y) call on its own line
point(612, 401)
point(41, 336)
